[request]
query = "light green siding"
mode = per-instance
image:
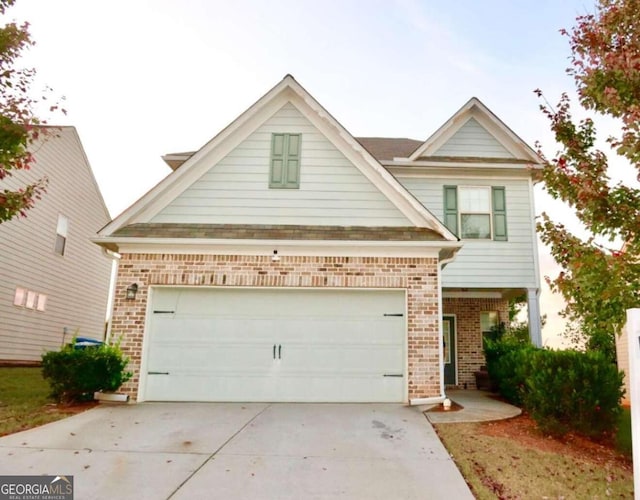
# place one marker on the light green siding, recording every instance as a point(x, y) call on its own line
point(487, 263)
point(331, 189)
point(475, 141)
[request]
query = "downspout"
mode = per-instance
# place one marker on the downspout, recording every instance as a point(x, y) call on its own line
point(115, 257)
point(443, 396)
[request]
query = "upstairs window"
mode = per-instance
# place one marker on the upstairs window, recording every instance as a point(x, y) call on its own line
point(476, 212)
point(61, 234)
point(284, 171)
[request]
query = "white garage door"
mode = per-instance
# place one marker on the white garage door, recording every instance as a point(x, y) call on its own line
point(209, 344)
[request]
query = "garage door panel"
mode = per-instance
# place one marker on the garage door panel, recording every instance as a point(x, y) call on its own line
point(331, 345)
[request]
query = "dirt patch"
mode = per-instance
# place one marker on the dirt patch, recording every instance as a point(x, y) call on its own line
point(523, 429)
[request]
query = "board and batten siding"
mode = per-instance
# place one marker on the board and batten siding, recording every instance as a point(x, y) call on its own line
point(473, 140)
point(487, 263)
point(76, 284)
point(236, 190)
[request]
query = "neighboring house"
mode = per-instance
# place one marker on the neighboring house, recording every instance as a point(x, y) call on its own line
point(287, 260)
point(54, 282)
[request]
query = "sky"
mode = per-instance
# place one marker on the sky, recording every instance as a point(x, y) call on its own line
point(143, 78)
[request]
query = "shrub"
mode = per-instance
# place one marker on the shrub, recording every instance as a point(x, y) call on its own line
point(508, 364)
point(572, 390)
point(75, 374)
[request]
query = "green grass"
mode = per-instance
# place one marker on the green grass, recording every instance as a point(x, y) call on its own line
point(25, 401)
point(623, 437)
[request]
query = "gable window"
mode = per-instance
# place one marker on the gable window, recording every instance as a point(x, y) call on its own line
point(476, 212)
point(61, 234)
point(284, 169)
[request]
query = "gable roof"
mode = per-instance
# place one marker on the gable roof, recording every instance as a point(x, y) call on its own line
point(475, 109)
point(287, 90)
point(386, 149)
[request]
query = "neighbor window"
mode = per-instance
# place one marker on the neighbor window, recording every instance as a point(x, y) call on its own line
point(284, 170)
point(19, 297)
point(31, 299)
point(61, 234)
point(489, 323)
point(476, 212)
point(41, 302)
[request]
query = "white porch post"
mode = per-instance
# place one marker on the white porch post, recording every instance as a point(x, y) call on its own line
point(633, 383)
point(533, 307)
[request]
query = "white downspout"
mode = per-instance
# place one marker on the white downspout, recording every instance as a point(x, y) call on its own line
point(115, 257)
point(443, 396)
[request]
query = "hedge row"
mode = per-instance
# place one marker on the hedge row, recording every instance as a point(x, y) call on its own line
point(562, 390)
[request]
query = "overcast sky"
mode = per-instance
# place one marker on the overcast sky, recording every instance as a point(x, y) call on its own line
point(144, 78)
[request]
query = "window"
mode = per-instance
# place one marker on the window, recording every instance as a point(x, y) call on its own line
point(61, 234)
point(476, 212)
point(41, 302)
point(19, 297)
point(30, 299)
point(284, 170)
point(489, 324)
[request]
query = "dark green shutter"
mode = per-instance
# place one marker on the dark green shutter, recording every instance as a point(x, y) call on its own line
point(499, 213)
point(284, 171)
point(451, 208)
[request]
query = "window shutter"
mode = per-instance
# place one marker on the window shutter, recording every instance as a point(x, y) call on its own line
point(499, 213)
point(293, 161)
point(451, 208)
point(284, 171)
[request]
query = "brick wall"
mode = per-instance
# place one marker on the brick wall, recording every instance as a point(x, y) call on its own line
point(469, 335)
point(417, 275)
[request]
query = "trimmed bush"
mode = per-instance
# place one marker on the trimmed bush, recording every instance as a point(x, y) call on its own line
point(572, 390)
point(508, 366)
point(75, 374)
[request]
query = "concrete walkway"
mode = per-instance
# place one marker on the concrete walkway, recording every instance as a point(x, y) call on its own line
point(478, 406)
point(241, 451)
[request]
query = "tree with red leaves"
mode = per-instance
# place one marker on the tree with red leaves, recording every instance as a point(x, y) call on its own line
point(598, 283)
point(19, 127)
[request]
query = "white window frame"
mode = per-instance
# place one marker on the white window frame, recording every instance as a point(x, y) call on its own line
point(20, 296)
point(489, 213)
point(62, 231)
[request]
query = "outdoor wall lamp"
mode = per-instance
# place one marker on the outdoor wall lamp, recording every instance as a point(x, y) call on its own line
point(275, 257)
point(132, 290)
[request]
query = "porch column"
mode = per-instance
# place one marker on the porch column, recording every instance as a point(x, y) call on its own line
point(533, 306)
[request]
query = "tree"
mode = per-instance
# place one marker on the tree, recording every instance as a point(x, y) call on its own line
point(598, 282)
point(19, 127)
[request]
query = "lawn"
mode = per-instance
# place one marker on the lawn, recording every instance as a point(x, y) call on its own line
point(512, 459)
point(25, 401)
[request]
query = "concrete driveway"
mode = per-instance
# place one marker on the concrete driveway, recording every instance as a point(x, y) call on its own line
point(230, 450)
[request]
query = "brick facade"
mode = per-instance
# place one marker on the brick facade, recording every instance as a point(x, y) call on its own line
point(417, 275)
point(469, 336)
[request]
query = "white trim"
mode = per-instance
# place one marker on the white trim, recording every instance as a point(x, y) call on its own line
point(430, 165)
point(288, 90)
point(474, 108)
point(534, 234)
point(471, 295)
point(329, 248)
point(458, 172)
point(427, 401)
point(146, 342)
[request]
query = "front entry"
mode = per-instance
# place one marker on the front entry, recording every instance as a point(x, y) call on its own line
point(449, 345)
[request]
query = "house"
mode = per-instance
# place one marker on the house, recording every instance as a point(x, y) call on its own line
point(54, 282)
point(287, 260)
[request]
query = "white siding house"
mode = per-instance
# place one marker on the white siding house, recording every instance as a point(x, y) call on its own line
point(52, 278)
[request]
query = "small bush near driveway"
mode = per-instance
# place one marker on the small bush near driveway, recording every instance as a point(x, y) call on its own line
point(75, 374)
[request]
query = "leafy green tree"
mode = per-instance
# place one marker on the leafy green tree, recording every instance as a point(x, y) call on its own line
point(598, 282)
point(19, 127)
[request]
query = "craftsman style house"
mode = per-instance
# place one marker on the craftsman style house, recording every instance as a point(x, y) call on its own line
point(54, 282)
point(287, 260)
